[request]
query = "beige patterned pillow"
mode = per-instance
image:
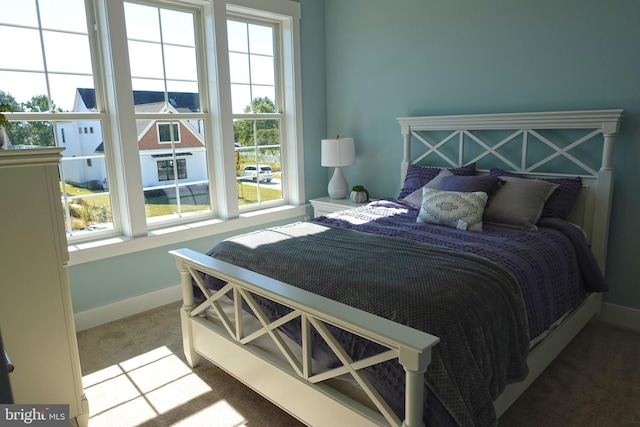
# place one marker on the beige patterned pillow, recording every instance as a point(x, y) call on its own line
point(453, 208)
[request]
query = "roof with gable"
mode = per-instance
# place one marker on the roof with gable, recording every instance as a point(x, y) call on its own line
point(185, 101)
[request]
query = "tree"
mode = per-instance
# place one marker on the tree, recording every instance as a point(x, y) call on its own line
point(40, 104)
point(7, 103)
point(267, 132)
point(30, 133)
point(8, 99)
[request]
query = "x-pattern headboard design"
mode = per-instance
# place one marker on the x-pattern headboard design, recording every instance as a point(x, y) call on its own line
point(433, 148)
point(530, 132)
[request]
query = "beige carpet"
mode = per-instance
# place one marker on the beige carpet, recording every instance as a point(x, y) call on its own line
point(595, 382)
point(135, 374)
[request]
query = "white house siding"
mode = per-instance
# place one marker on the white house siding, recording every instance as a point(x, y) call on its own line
point(196, 167)
point(77, 144)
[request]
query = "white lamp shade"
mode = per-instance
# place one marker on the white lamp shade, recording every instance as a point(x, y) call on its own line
point(338, 152)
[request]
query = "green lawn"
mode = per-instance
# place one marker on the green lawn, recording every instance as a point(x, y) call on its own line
point(248, 194)
point(95, 207)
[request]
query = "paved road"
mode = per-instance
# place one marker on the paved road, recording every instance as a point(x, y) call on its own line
point(275, 183)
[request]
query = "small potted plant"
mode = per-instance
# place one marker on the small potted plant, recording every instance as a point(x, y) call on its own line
point(3, 118)
point(359, 194)
point(3, 122)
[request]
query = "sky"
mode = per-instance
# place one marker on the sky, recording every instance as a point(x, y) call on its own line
point(21, 71)
point(67, 59)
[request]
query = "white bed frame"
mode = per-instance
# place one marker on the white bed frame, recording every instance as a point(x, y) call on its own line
point(289, 380)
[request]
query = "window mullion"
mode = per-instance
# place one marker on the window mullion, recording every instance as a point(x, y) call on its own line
point(124, 142)
point(223, 164)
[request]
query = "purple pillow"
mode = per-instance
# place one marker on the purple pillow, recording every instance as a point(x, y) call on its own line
point(469, 184)
point(561, 201)
point(418, 176)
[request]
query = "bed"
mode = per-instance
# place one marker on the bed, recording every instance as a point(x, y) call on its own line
point(332, 319)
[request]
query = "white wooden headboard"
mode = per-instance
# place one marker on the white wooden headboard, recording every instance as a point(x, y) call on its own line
point(524, 134)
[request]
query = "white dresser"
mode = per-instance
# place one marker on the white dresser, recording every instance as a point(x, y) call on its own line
point(36, 317)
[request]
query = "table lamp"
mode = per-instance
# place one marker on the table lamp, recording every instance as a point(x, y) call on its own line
point(337, 153)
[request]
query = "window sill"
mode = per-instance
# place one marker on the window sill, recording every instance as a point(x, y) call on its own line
point(100, 249)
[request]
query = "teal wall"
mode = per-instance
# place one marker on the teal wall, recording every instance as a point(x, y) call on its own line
point(366, 62)
point(314, 104)
point(387, 59)
point(113, 279)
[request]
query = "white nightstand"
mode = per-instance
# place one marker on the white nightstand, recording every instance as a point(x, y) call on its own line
point(326, 205)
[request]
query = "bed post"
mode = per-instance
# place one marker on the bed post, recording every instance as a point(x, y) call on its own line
point(193, 358)
point(406, 159)
point(415, 365)
point(603, 195)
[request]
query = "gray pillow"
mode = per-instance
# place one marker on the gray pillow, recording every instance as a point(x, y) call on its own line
point(519, 202)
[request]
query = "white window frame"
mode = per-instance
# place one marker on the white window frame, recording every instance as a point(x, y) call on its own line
point(132, 232)
point(287, 14)
point(236, 15)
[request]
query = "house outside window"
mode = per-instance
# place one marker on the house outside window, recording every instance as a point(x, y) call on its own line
point(166, 52)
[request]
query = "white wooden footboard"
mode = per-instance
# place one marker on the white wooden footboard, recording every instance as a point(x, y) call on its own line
point(290, 381)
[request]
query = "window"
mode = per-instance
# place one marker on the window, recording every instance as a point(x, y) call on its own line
point(39, 78)
point(254, 86)
point(167, 169)
point(124, 172)
point(164, 54)
point(165, 134)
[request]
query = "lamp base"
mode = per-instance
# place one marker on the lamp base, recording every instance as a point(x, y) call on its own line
point(338, 188)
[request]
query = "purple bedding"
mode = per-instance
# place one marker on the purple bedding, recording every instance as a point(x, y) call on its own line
point(553, 267)
point(473, 306)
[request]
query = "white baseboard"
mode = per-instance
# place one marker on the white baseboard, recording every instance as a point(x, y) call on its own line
point(622, 317)
point(118, 310)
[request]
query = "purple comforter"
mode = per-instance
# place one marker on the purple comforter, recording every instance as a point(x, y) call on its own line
point(554, 265)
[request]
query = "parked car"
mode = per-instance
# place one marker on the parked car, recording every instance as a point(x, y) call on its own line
point(265, 173)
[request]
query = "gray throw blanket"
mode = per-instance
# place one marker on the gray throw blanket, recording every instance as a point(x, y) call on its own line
point(475, 307)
